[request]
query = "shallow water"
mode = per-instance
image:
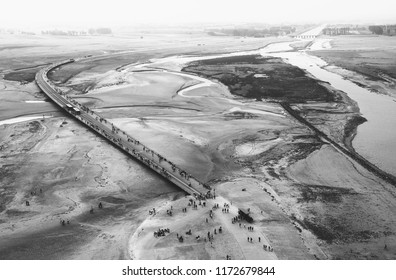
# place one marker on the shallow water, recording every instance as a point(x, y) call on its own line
point(376, 138)
point(22, 119)
point(35, 101)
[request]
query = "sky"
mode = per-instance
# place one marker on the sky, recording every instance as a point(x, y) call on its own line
point(29, 13)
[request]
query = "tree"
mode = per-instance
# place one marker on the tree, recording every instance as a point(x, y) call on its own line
point(376, 29)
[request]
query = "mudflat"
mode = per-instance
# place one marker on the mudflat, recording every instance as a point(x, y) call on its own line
point(222, 120)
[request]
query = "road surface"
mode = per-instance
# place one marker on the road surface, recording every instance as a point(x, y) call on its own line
point(134, 148)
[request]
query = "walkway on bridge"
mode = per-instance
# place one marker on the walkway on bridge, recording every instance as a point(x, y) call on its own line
point(120, 138)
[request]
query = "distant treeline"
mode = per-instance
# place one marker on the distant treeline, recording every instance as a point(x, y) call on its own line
point(91, 31)
point(383, 29)
point(100, 31)
point(64, 33)
point(252, 32)
point(336, 31)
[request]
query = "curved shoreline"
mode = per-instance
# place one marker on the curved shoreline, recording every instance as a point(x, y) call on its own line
point(281, 47)
point(355, 156)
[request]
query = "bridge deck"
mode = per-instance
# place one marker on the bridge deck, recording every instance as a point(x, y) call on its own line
point(120, 138)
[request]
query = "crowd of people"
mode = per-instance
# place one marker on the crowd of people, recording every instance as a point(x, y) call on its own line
point(196, 201)
point(64, 222)
point(268, 248)
point(152, 211)
point(161, 232)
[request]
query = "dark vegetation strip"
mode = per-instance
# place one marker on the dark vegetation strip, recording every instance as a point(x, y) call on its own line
point(355, 156)
point(23, 75)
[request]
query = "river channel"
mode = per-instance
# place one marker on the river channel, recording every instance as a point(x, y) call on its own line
point(375, 139)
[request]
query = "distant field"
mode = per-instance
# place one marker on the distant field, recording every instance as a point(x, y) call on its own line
point(368, 55)
point(363, 42)
point(20, 51)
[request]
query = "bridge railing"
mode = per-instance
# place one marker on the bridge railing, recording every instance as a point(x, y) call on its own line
point(185, 178)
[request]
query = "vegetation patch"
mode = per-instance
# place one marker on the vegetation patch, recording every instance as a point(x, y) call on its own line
point(319, 230)
point(319, 193)
point(253, 76)
point(22, 76)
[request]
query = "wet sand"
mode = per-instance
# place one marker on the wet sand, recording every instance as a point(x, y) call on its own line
point(63, 170)
point(373, 138)
point(75, 169)
point(307, 200)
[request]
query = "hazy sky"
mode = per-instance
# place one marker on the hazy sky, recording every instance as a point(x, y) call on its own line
point(114, 12)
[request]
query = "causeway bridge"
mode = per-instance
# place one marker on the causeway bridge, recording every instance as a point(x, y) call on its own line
point(312, 33)
point(118, 137)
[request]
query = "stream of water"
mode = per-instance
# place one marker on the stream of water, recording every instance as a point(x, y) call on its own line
point(376, 138)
